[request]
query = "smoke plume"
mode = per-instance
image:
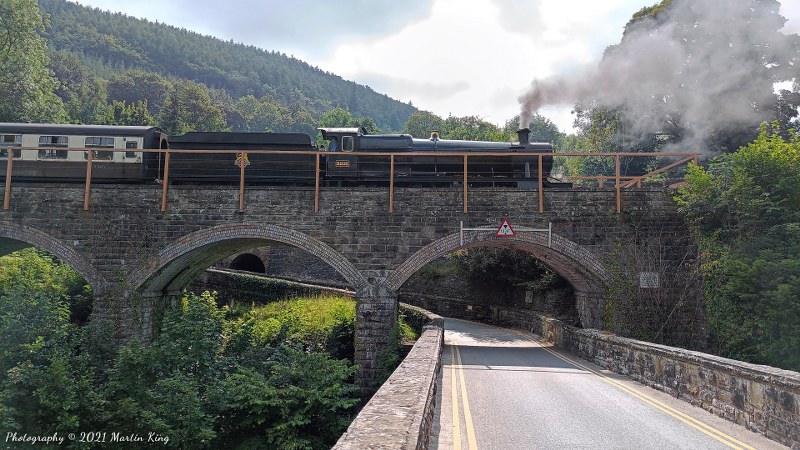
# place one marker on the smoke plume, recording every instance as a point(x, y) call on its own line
point(704, 65)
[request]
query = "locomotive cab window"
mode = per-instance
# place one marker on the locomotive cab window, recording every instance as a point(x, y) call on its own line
point(347, 143)
point(131, 145)
point(53, 141)
point(99, 142)
point(10, 140)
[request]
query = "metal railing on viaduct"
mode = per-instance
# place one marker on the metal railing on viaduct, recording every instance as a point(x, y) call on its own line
point(139, 245)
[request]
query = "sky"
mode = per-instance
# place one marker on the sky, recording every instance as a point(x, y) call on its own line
point(449, 57)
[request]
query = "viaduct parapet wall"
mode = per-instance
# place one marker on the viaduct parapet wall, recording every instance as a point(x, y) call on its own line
point(137, 257)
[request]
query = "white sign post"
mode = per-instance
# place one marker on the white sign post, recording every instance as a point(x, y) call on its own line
point(649, 280)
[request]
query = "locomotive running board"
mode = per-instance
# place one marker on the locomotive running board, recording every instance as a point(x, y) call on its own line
point(548, 230)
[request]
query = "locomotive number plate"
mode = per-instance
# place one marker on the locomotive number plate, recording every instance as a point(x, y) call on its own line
point(342, 163)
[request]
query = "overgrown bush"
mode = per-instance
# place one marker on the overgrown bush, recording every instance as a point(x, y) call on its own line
point(211, 383)
point(745, 208)
point(207, 380)
point(257, 289)
point(322, 323)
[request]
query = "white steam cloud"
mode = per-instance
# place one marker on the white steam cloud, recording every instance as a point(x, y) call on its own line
point(707, 65)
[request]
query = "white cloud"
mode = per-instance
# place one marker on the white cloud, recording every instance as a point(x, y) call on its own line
point(308, 27)
point(484, 49)
point(791, 10)
point(460, 57)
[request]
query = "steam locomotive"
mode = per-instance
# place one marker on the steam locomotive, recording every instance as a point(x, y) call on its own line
point(352, 156)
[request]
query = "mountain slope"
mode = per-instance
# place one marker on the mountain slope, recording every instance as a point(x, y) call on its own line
point(113, 42)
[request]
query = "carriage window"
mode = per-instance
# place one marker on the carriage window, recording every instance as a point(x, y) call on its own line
point(347, 143)
point(10, 140)
point(130, 145)
point(53, 141)
point(99, 142)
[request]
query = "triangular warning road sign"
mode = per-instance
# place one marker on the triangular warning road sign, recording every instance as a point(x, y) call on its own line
point(505, 229)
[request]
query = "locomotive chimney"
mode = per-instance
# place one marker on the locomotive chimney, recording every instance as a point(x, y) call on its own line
point(524, 136)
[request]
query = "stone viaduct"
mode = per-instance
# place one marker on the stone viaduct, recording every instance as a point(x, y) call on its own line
point(137, 258)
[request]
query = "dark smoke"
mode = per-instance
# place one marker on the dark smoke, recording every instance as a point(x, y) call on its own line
point(709, 65)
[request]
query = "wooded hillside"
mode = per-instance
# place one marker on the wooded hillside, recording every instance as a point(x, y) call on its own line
point(110, 44)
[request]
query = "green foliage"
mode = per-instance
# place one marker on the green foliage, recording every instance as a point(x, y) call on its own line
point(51, 388)
point(603, 130)
point(45, 383)
point(83, 93)
point(26, 85)
point(336, 118)
point(45, 293)
point(442, 267)
point(648, 12)
point(131, 115)
point(342, 118)
point(413, 321)
point(470, 128)
point(389, 357)
point(166, 388)
point(421, 123)
point(133, 86)
point(407, 332)
point(290, 400)
point(206, 381)
point(211, 383)
point(323, 323)
point(746, 209)
point(504, 269)
point(188, 108)
point(663, 315)
point(259, 115)
point(255, 289)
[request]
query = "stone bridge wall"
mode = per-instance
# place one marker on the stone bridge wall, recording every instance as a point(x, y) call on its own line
point(138, 258)
point(124, 229)
point(400, 414)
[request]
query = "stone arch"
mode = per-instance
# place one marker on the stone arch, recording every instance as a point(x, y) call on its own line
point(573, 262)
point(248, 262)
point(20, 236)
point(179, 263)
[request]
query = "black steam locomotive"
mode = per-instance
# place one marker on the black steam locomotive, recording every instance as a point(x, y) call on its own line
point(351, 157)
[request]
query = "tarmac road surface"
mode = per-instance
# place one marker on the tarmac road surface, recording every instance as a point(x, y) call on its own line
point(503, 389)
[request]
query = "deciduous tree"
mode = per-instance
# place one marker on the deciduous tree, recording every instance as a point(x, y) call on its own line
point(745, 208)
point(188, 108)
point(26, 83)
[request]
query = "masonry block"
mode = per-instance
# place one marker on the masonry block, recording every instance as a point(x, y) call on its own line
point(125, 244)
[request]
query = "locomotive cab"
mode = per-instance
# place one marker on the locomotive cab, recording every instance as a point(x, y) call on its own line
point(345, 162)
point(342, 139)
point(342, 163)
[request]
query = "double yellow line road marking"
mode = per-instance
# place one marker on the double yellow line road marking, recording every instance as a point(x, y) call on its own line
point(458, 385)
point(683, 417)
point(456, 377)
